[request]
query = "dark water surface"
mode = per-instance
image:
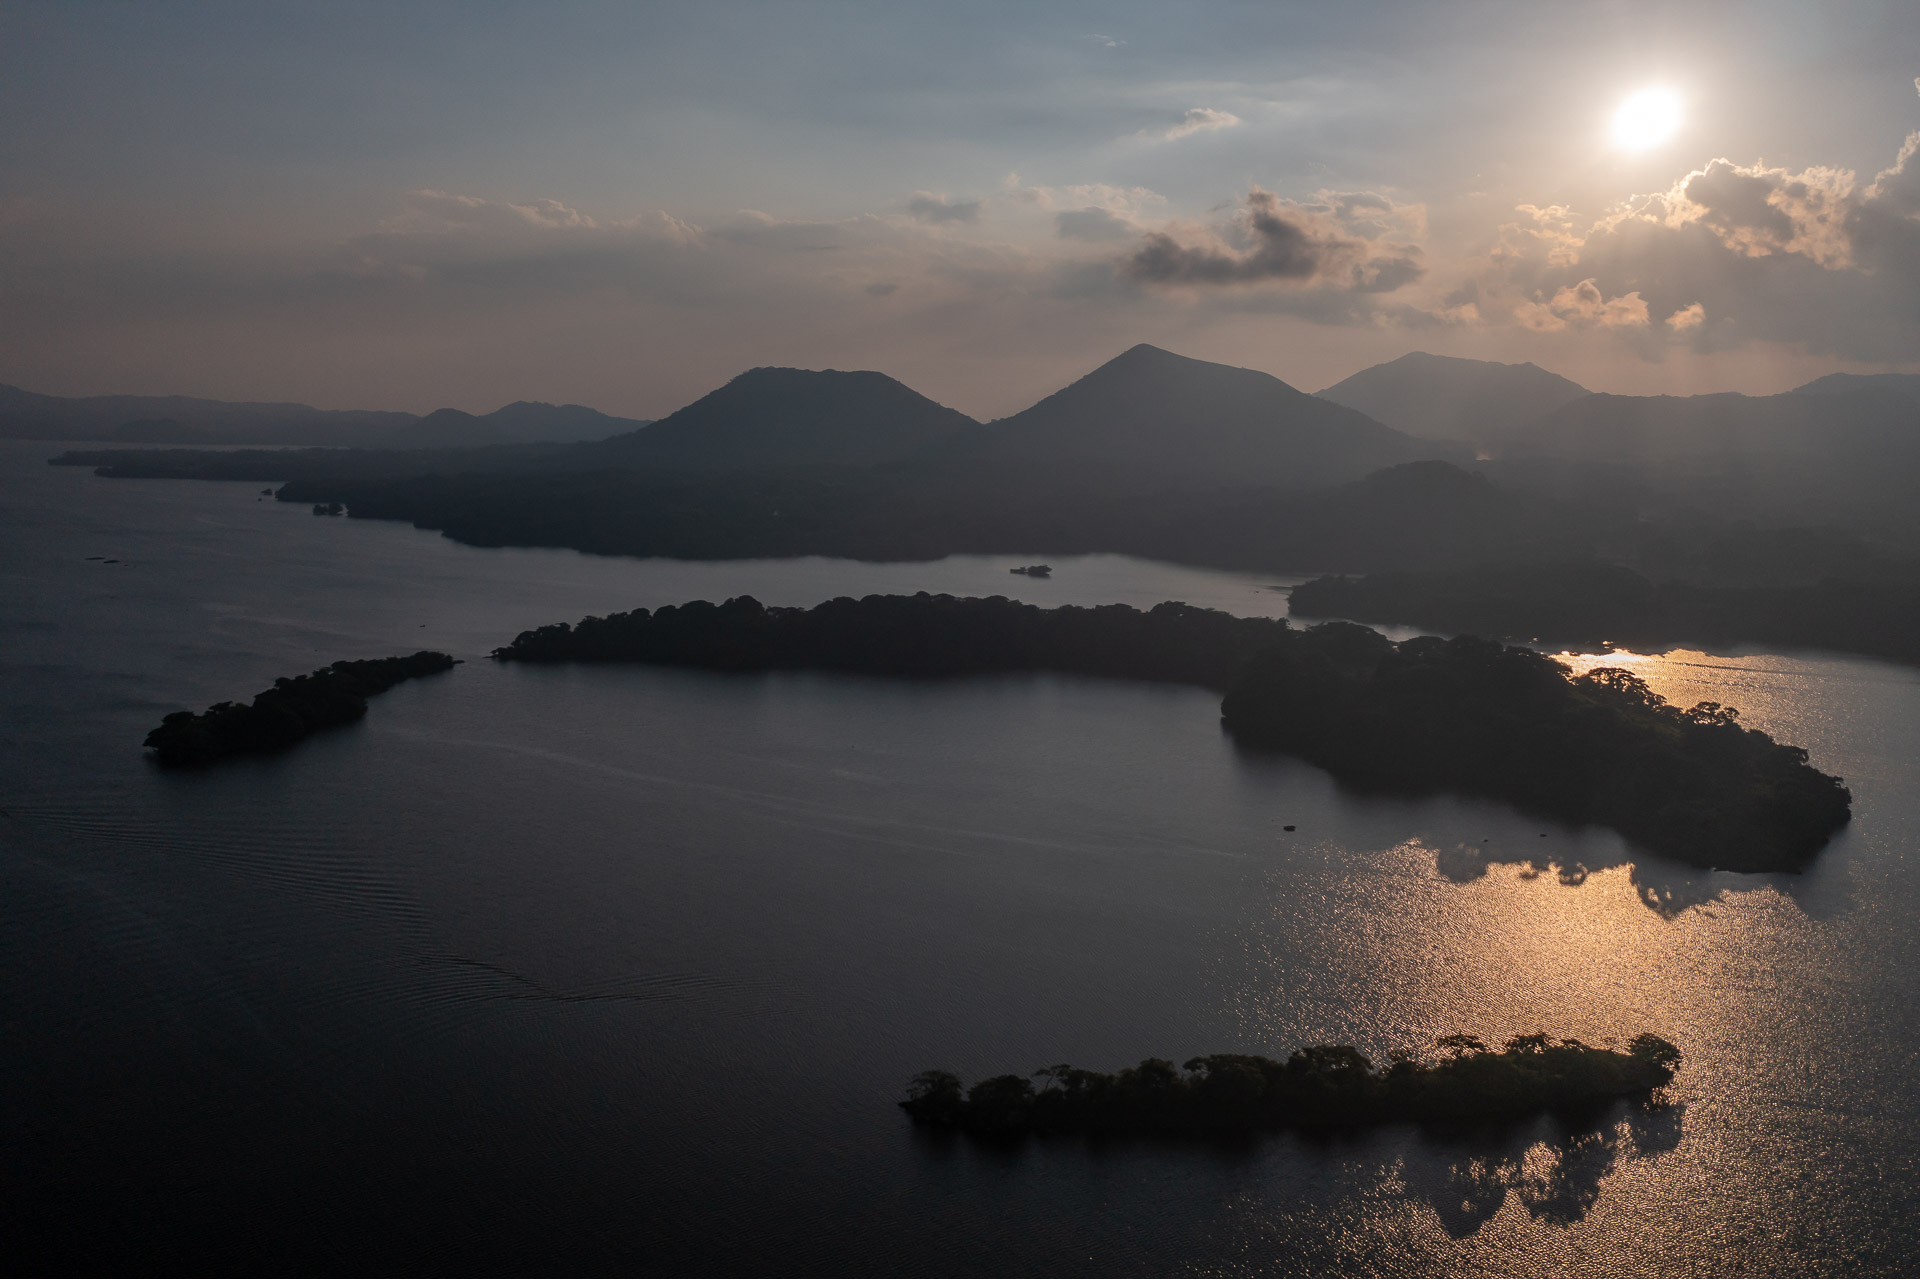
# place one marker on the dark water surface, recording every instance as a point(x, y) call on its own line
point(570, 971)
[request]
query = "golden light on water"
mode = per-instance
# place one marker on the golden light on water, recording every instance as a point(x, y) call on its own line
point(1646, 119)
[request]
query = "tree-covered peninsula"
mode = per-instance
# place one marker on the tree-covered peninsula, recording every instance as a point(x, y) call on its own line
point(1467, 716)
point(1587, 604)
point(1325, 1086)
point(287, 712)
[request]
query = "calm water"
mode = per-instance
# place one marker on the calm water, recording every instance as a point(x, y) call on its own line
point(619, 971)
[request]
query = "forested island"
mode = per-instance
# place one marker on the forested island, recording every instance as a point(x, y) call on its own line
point(1467, 716)
point(918, 635)
point(1590, 605)
point(1327, 1086)
point(289, 711)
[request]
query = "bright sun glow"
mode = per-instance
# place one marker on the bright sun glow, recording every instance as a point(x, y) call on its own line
point(1646, 119)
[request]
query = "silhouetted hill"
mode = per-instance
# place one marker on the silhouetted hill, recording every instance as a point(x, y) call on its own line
point(1841, 383)
point(790, 417)
point(177, 419)
point(25, 415)
point(1183, 421)
point(533, 422)
point(1666, 428)
point(1443, 398)
point(521, 422)
point(1850, 459)
point(1586, 605)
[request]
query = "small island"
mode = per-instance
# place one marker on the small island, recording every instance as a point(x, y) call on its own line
point(1326, 1086)
point(1466, 716)
point(285, 713)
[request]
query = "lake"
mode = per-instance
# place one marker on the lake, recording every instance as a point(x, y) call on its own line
point(620, 970)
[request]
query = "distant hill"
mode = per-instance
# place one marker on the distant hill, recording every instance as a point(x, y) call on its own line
point(180, 419)
point(1841, 383)
point(1442, 398)
point(772, 417)
point(1728, 426)
point(169, 419)
point(1182, 421)
point(522, 422)
point(1851, 459)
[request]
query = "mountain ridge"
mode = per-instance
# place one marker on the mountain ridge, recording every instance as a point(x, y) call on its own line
point(1444, 397)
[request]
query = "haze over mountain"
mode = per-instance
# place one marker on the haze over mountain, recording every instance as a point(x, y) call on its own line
point(26, 415)
point(181, 419)
point(790, 417)
point(1191, 422)
point(1840, 383)
point(1441, 397)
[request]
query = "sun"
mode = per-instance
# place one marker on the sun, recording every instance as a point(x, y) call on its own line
point(1646, 119)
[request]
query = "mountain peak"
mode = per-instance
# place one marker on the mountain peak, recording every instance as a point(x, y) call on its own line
point(1178, 420)
point(772, 416)
point(1447, 397)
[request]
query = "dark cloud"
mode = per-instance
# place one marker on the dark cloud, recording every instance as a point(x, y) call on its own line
point(938, 208)
point(1283, 242)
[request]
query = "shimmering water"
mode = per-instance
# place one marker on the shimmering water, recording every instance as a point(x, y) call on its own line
point(619, 971)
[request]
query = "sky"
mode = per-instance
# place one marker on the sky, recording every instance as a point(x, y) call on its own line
point(412, 205)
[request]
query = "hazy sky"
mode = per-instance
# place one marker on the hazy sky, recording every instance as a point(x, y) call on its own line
point(409, 205)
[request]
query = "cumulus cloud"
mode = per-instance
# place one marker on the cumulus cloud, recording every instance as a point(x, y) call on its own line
point(928, 207)
point(1200, 120)
point(1730, 253)
point(1321, 243)
point(1687, 317)
point(1581, 305)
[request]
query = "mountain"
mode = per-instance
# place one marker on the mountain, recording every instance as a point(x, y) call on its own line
point(1179, 421)
point(165, 419)
point(522, 422)
point(791, 417)
point(532, 422)
point(1851, 458)
point(179, 419)
point(1841, 383)
point(1443, 398)
point(1728, 427)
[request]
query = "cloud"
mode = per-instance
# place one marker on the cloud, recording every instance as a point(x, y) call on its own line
point(442, 211)
point(928, 207)
point(1281, 241)
point(1200, 120)
point(1687, 317)
point(1093, 223)
point(1583, 305)
point(1122, 202)
point(1731, 253)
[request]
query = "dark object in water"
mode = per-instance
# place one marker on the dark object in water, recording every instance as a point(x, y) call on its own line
point(1034, 570)
point(1286, 828)
point(328, 508)
point(287, 712)
point(1326, 1086)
